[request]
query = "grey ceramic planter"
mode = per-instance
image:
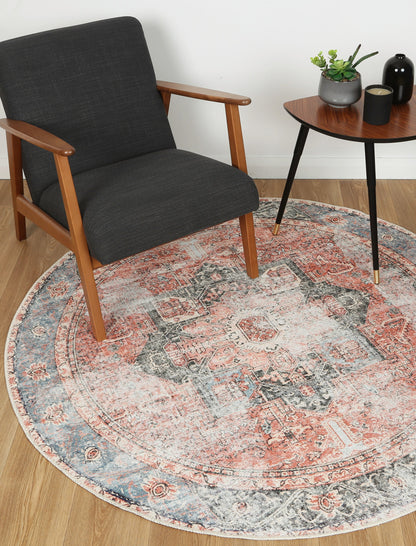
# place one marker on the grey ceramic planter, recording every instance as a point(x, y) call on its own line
point(339, 94)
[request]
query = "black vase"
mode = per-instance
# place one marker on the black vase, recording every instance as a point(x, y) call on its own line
point(398, 73)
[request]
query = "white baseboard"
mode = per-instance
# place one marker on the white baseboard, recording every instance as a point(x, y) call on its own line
point(311, 167)
point(331, 167)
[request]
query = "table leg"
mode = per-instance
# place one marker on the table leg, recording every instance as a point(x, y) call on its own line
point(372, 203)
point(300, 143)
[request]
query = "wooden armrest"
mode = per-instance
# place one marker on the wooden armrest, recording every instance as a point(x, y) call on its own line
point(37, 136)
point(201, 93)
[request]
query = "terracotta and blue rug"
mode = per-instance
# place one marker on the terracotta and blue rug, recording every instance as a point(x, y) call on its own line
point(281, 407)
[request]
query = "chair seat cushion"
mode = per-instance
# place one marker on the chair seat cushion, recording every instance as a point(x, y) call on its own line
point(139, 203)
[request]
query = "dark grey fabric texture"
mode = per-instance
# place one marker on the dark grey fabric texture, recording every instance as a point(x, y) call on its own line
point(92, 85)
point(139, 203)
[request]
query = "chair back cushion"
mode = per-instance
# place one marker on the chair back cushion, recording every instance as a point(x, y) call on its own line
point(92, 85)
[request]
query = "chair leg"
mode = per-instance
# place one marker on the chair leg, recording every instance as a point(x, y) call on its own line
point(238, 159)
point(249, 244)
point(16, 181)
point(89, 286)
point(80, 246)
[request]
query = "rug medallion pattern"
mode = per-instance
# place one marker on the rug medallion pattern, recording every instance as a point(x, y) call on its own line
point(272, 408)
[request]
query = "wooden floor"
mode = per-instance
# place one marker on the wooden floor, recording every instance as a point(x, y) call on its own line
point(39, 506)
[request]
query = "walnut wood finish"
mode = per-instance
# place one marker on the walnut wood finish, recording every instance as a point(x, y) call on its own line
point(202, 93)
point(249, 245)
point(236, 142)
point(36, 215)
point(74, 238)
point(238, 159)
point(80, 246)
point(22, 207)
point(348, 124)
point(16, 176)
point(38, 137)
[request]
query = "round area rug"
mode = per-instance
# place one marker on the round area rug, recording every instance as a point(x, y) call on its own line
point(279, 407)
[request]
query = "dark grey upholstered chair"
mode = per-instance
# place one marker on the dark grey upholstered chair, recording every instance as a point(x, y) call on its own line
point(87, 124)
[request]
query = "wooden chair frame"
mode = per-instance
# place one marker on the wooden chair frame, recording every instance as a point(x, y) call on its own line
point(74, 237)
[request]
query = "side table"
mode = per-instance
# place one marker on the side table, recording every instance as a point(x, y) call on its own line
point(347, 124)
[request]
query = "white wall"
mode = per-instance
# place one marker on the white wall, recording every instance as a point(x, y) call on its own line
point(259, 48)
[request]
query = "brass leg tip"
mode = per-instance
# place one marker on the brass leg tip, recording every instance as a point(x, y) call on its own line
point(276, 229)
point(376, 276)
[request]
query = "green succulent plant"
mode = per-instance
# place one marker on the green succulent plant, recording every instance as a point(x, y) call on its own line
point(338, 69)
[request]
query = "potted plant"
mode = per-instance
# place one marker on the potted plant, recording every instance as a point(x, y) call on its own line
point(340, 83)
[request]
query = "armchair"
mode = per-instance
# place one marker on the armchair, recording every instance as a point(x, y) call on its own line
point(87, 124)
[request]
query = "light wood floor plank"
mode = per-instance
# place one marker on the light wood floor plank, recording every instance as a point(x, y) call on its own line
point(39, 506)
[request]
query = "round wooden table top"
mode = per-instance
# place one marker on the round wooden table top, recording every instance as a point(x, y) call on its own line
point(347, 123)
